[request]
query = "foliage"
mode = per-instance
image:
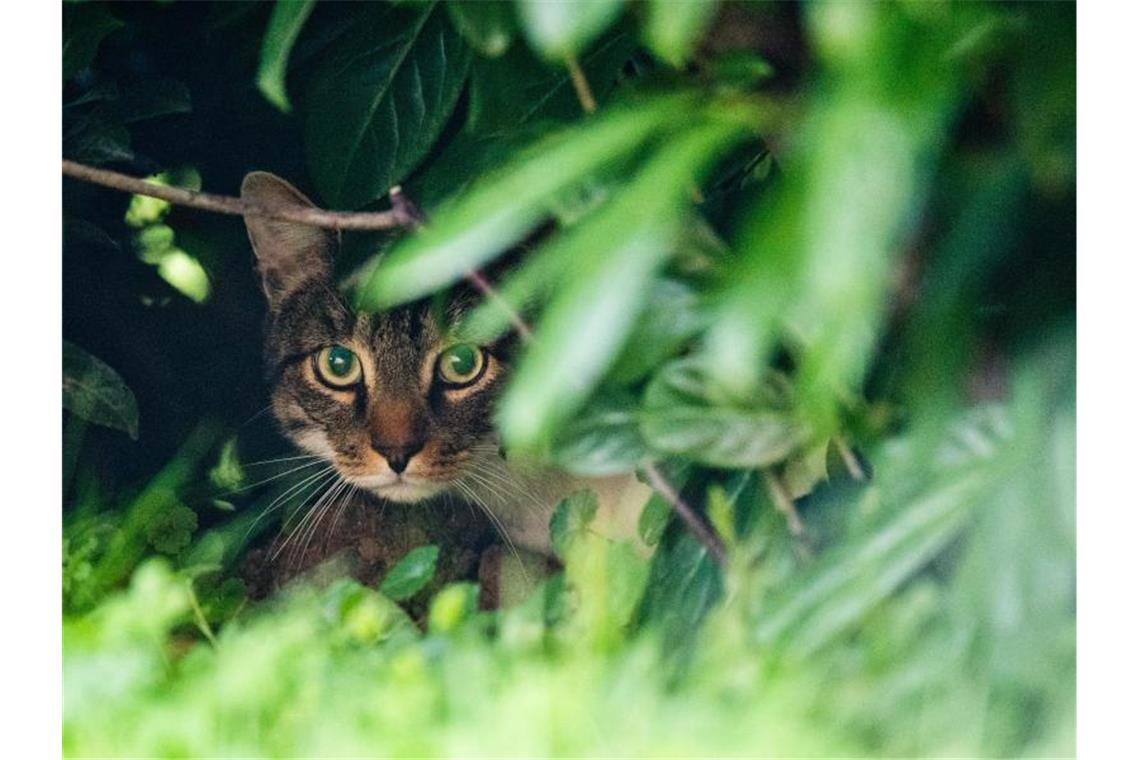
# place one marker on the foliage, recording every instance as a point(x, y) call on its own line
point(768, 274)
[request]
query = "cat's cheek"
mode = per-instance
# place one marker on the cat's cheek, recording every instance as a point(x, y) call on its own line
point(315, 442)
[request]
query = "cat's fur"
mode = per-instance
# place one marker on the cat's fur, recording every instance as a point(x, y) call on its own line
point(446, 435)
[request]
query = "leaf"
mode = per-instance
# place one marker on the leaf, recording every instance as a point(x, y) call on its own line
point(672, 316)
point(487, 27)
point(149, 99)
point(616, 252)
point(95, 392)
point(501, 208)
point(603, 440)
point(172, 529)
point(571, 520)
point(376, 103)
point(562, 28)
point(84, 27)
point(674, 27)
point(289, 16)
point(412, 573)
point(684, 414)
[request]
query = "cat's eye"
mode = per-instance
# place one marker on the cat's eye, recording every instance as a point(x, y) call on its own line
point(461, 364)
point(337, 366)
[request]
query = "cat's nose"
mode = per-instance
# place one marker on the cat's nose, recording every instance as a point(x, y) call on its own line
point(399, 456)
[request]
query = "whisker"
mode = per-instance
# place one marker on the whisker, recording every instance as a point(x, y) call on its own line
point(280, 500)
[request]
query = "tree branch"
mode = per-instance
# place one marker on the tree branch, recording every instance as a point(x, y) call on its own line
point(398, 218)
point(687, 514)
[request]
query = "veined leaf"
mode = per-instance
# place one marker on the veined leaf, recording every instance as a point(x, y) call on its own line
point(562, 28)
point(284, 26)
point(684, 414)
point(616, 252)
point(603, 440)
point(502, 208)
point(392, 83)
point(95, 392)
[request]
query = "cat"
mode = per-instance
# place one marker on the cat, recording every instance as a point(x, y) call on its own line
point(402, 409)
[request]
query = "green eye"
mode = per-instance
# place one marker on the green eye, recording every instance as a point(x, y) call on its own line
point(338, 366)
point(461, 364)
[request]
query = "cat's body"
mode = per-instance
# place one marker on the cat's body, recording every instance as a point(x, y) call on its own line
point(398, 406)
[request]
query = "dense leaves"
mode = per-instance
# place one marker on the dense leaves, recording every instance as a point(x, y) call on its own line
point(807, 269)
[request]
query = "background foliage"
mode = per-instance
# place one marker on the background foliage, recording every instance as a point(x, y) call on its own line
point(791, 246)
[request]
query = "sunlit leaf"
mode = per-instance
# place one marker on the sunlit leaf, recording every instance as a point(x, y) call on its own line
point(500, 209)
point(674, 27)
point(95, 392)
point(561, 28)
point(285, 24)
point(603, 440)
point(617, 252)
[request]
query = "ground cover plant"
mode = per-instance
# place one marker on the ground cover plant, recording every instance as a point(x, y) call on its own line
point(809, 270)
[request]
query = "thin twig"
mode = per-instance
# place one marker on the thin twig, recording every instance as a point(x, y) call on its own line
point(850, 459)
point(784, 502)
point(700, 531)
point(396, 218)
point(581, 85)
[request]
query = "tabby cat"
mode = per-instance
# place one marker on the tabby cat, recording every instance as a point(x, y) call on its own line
point(393, 401)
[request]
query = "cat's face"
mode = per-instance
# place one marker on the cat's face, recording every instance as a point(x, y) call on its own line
point(399, 406)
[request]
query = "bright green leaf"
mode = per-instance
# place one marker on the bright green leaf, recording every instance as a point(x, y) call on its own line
point(561, 28)
point(412, 573)
point(674, 27)
point(285, 25)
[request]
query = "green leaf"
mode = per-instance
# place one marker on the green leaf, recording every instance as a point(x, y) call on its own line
point(284, 27)
point(672, 317)
point(616, 252)
point(172, 529)
point(96, 393)
point(375, 105)
point(674, 27)
point(487, 27)
point(684, 414)
point(603, 440)
point(571, 519)
point(412, 573)
point(500, 209)
point(84, 27)
point(561, 28)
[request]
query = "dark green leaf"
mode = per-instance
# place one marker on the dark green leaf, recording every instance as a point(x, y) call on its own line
point(172, 529)
point(684, 414)
point(391, 81)
point(96, 393)
point(412, 573)
point(84, 27)
point(284, 26)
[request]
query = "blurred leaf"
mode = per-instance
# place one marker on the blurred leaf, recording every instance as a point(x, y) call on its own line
point(285, 24)
point(96, 393)
point(150, 99)
point(84, 27)
point(487, 27)
point(616, 253)
point(561, 28)
point(672, 316)
point(571, 519)
point(603, 440)
point(392, 80)
point(410, 574)
point(684, 414)
point(228, 474)
point(452, 606)
point(171, 530)
point(674, 27)
point(500, 209)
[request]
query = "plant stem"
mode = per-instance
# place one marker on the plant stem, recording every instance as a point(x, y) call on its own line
point(397, 218)
point(687, 514)
point(581, 85)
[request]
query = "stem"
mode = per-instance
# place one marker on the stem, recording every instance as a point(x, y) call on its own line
point(397, 218)
point(700, 531)
point(784, 502)
point(581, 85)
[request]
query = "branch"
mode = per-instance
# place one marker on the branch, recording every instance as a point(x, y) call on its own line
point(581, 85)
point(701, 531)
point(398, 218)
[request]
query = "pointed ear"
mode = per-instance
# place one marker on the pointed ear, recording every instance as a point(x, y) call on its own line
point(288, 253)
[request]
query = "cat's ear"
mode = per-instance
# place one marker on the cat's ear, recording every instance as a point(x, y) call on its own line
point(288, 254)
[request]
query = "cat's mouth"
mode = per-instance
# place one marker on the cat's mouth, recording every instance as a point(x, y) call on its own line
point(406, 489)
